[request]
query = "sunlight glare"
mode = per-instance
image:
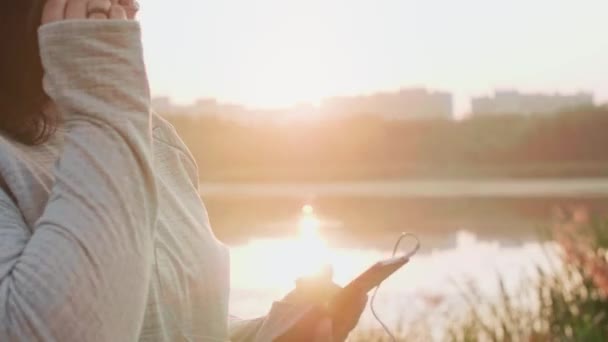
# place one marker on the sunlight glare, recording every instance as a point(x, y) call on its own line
point(309, 228)
point(313, 249)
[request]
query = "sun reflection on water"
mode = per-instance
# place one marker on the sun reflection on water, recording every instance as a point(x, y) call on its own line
point(275, 264)
point(313, 253)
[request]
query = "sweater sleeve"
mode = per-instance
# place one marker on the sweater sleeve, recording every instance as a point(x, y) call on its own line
point(84, 271)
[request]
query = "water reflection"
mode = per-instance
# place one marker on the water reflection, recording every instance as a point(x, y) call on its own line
point(311, 252)
point(265, 269)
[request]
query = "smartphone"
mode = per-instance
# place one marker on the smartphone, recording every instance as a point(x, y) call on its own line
point(373, 277)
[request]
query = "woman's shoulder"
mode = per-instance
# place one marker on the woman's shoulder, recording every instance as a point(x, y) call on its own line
point(5, 145)
point(17, 168)
point(11, 152)
point(23, 167)
point(14, 153)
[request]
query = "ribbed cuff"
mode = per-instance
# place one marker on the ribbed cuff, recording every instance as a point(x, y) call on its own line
point(94, 61)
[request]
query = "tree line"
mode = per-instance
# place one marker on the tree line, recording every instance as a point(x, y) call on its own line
point(365, 147)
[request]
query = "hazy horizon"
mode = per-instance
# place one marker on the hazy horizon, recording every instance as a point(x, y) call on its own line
point(274, 54)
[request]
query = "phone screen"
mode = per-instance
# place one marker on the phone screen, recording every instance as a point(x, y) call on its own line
point(367, 281)
point(376, 274)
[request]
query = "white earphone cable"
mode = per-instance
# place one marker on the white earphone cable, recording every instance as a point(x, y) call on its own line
point(373, 299)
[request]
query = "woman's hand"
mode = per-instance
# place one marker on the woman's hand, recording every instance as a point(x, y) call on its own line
point(58, 10)
point(327, 321)
point(314, 290)
point(131, 6)
point(345, 316)
point(319, 325)
point(315, 326)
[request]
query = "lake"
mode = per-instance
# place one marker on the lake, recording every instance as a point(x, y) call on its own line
point(470, 231)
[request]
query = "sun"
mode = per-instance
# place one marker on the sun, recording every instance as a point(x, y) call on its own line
point(308, 209)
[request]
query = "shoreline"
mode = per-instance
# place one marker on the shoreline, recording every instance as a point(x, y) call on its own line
point(486, 188)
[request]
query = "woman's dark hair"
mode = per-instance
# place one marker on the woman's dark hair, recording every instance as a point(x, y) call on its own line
point(22, 97)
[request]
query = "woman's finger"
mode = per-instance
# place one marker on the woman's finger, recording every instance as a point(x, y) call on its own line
point(76, 9)
point(98, 9)
point(131, 7)
point(118, 12)
point(54, 10)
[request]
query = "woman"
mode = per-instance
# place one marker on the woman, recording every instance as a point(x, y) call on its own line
point(103, 236)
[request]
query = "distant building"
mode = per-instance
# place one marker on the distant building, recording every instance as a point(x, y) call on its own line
point(401, 105)
point(513, 102)
point(203, 107)
point(213, 108)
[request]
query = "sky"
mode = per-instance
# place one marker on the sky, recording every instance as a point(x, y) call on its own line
point(271, 53)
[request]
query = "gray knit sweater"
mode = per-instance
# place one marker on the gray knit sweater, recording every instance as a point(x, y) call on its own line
point(103, 236)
